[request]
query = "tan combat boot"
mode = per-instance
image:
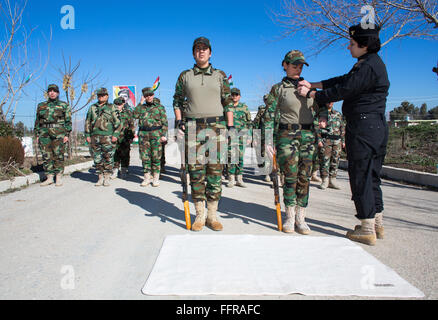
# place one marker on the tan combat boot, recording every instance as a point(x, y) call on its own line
point(147, 180)
point(365, 234)
point(48, 181)
point(315, 177)
point(58, 180)
point(200, 216)
point(240, 182)
point(106, 179)
point(212, 219)
point(289, 223)
point(379, 225)
point(100, 181)
point(324, 183)
point(155, 181)
point(333, 184)
point(115, 174)
point(300, 222)
point(231, 181)
point(380, 231)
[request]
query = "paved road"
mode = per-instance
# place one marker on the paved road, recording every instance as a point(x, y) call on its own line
point(107, 239)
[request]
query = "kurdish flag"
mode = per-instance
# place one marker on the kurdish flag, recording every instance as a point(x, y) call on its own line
point(156, 84)
point(230, 80)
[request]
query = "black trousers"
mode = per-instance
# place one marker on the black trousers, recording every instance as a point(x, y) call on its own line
point(366, 141)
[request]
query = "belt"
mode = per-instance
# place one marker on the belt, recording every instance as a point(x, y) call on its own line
point(330, 136)
point(52, 125)
point(296, 126)
point(363, 116)
point(207, 120)
point(149, 128)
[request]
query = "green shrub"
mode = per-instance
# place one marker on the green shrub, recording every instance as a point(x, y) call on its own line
point(8, 130)
point(11, 150)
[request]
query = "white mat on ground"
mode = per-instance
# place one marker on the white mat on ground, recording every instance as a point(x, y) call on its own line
point(271, 265)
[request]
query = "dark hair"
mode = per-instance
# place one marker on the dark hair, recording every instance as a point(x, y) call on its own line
point(372, 43)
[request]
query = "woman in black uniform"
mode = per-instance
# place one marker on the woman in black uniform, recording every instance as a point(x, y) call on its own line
point(364, 90)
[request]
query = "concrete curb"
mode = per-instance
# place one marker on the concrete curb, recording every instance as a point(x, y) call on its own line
point(19, 182)
point(403, 175)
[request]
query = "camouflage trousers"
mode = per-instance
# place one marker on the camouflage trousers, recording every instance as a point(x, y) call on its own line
point(103, 150)
point(295, 151)
point(122, 154)
point(316, 159)
point(52, 151)
point(235, 161)
point(150, 150)
point(329, 156)
point(207, 151)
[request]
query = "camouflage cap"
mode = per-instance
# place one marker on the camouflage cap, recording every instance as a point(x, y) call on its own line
point(236, 91)
point(102, 92)
point(201, 40)
point(147, 91)
point(119, 101)
point(53, 87)
point(295, 57)
point(358, 31)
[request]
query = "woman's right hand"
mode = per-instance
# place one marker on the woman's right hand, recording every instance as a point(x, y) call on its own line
point(305, 83)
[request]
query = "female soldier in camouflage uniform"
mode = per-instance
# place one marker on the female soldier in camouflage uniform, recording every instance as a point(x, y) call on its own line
point(243, 124)
point(102, 129)
point(293, 119)
point(333, 140)
point(208, 98)
point(152, 131)
point(52, 127)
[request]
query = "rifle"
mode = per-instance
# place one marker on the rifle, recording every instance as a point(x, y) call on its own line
point(184, 183)
point(274, 178)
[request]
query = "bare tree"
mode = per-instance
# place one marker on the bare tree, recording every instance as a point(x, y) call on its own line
point(426, 8)
point(325, 22)
point(79, 92)
point(17, 68)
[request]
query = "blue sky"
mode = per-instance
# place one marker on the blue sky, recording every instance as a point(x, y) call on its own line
point(133, 42)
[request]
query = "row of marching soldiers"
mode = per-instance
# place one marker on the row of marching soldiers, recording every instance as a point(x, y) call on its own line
point(109, 131)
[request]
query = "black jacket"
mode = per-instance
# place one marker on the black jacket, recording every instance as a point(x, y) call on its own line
point(364, 89)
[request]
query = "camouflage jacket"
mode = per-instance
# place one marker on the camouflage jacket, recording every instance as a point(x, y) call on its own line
point(53, 116)
point(335, 125)
point(202, 92)
point(127, 123)
point(241, 116)
point(258, 122)
point(103, 120)
point(152, 115)
point(273, 114)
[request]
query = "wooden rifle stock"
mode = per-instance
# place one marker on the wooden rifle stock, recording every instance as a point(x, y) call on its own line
point(276, 193)
point(185, 197)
